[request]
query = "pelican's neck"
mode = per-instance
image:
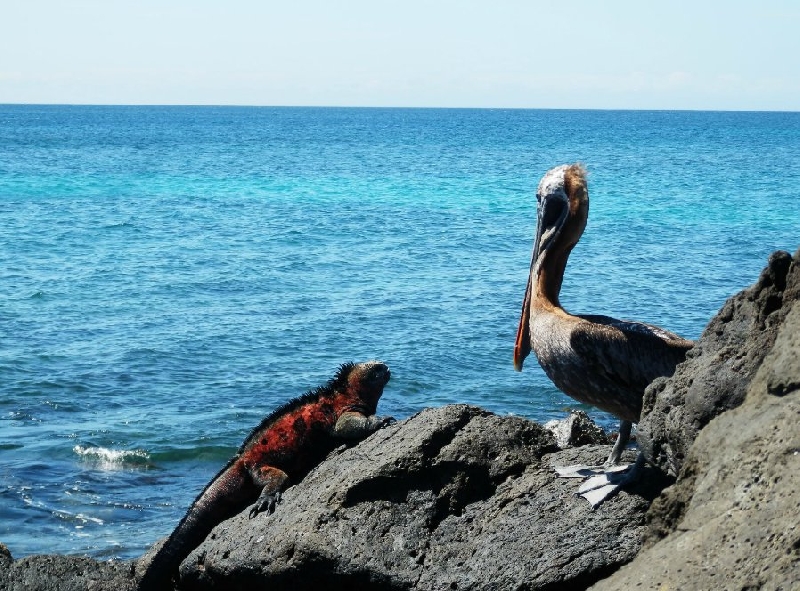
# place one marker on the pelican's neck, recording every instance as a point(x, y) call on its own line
point(549, 278)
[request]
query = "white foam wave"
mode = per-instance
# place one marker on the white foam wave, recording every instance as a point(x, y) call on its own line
point(110, 458)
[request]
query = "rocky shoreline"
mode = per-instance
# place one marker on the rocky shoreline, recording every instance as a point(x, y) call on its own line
point(460, 498)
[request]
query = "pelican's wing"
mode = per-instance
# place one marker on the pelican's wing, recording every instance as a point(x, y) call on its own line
point(626, 356)
point(616, 354)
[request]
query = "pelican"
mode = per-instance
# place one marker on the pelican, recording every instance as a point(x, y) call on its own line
point(595, 359)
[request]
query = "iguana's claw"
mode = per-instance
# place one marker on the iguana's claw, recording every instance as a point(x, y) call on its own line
point(265, 503)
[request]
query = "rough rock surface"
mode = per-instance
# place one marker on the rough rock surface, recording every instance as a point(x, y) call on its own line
point(452, 498)
point(718, 370)
point(63, 573)
point(737, 501)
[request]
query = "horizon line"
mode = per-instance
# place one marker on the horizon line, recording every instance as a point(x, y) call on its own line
point(397, 107)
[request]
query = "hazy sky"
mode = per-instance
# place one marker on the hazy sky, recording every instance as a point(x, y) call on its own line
point(427, 53)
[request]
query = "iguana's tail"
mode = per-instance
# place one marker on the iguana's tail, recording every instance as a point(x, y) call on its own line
point(227, 494)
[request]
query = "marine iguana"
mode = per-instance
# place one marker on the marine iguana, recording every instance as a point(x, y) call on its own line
point(280, 451)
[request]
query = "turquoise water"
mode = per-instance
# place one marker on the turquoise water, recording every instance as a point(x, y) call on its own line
point(170, 275)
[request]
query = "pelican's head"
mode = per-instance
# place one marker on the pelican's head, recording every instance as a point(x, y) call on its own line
point(563, 206)
point(561, 196)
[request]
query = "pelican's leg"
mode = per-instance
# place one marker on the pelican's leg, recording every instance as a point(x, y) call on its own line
point(611, 464)
point(620, 444)
point(606, 480)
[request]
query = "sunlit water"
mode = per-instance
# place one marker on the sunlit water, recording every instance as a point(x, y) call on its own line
point(170, 275)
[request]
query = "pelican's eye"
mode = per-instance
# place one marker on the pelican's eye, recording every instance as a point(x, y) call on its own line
point(554, 211)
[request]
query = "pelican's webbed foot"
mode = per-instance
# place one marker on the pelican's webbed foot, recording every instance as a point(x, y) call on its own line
point(603, 482)
point(603, 486)
point(606, 480)
point(584, 471)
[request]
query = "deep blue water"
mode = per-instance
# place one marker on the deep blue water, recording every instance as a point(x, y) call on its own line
point(169, 275)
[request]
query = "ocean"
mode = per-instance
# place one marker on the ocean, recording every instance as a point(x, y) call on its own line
point(169, 275)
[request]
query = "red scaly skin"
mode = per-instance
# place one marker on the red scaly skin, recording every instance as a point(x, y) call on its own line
point(279, 452)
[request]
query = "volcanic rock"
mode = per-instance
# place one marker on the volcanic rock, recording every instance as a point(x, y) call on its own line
point(718, 370)
point(452, 498)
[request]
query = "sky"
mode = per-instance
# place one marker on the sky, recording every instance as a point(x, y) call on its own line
point(612, 54)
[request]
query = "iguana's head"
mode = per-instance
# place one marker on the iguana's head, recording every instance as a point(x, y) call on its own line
point(363, 380)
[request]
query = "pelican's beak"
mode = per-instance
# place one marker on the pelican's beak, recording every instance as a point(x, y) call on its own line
point(551, 214)
point(522, 347)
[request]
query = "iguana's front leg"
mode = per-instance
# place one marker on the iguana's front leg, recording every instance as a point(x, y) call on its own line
point(354, 425)
point(272, 481)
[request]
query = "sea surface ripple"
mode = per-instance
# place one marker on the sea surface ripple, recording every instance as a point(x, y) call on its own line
point(169, 275)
